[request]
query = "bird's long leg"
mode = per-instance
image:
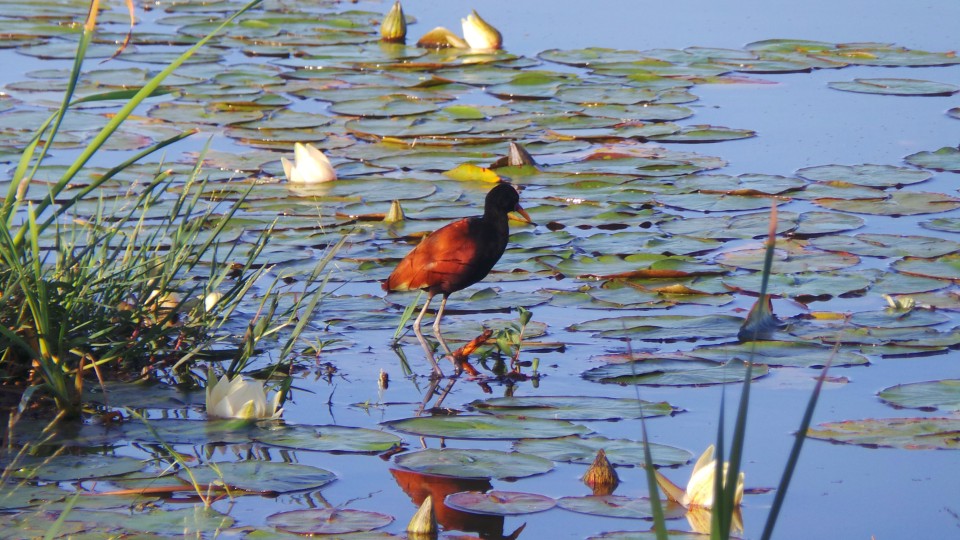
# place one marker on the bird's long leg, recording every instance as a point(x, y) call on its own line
point(436, 328)
point(423, 341)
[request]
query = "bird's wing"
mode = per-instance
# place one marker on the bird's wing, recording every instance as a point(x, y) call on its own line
point(442, 261)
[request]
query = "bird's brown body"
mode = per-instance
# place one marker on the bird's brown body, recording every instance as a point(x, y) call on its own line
point(456, 256)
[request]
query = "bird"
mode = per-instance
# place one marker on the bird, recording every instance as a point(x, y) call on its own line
point(455, 257)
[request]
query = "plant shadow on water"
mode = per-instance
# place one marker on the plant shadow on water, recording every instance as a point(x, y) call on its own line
point(654, 174)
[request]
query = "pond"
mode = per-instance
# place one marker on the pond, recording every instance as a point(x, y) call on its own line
point(867, 207)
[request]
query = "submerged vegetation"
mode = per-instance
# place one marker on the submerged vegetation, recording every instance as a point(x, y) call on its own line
point(122, 284)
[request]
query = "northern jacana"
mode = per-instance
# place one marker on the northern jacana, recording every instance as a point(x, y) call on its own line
point(455, 257)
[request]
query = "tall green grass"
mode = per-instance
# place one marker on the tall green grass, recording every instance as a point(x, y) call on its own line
point(89, 291)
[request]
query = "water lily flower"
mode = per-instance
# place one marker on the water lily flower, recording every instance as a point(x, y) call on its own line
point(310, 167)
point(239, 398)
point(441, 38)
point(699, 492)
point(479, 34)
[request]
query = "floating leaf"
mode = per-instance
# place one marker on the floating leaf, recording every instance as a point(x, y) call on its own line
point(927, 396)
point(705, 134)
point(673, 373)
point(944, 159)
point(571, 407)
point(908, 433)
point(328, 521)
point(69, 468)
point(621, 452)
point(663, 327)
point(887, 245)
point(615, 506)
point(865, 175)
point(474, 463)
point(804, 285)
point(328, 438)
point(895, 87)
point(780, 353)
point(499, 503)
point(900, 203)
point(485, 427)
point(946, 267)
point(262, 476)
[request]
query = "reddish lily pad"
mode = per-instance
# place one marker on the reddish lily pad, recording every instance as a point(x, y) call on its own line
point(499, 503)
point(907, 433)
point(328, 521)
point(461, 463)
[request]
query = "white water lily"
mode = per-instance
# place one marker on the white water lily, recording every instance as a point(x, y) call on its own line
point(479, 34)
point(699, 492)
point(238, 398)
point(310, 166)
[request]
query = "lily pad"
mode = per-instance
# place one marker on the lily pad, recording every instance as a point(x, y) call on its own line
point(486, 427)
point(499, 503)
point(895, 87)
point(339, 439)
point(675, 373)
point(621, 452)
point(944, 159)
point(907, 433)
point(946, 267)
point(865, 175)
point(781, 353)
point(461, 463)
point(612, 506)
point(572, 407)
point(315, 521)
point(663, 327)
point(262, 476)
point(941, 395)
point(888, 245)
point(900, 203)
point(68, 468)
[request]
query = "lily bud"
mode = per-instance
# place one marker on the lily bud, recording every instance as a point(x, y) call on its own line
point(395, 213)
point(424, 522)
point(441, 38)
point(479, 34)
point(601, 476)
point(393, 29)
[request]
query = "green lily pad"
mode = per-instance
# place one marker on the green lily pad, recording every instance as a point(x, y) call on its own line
point(325, 521)
point(816, 285)
point(907, 433)
point(900, 203)
point(339, 439)
point(640, 265)
point(946, 267)
point(715, 202)
point(187, 521)
point(485, 427)
point(620, 452)
point(461, 463)
point(790, 257)
point(691, 372)
point(571, 407)
point(887, 245)
point(262, 476)
point(899, 319)
point(927, 396)
point(705, 134)
point(663, 327)
point(69, 468)
point(880, 176)
point(944, 159)
point(614, 506)
point(384, 107)
point(499, 503)
point(781, 353)
point(895, 87)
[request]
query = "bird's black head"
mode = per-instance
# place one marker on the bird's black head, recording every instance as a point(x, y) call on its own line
point(502, 198)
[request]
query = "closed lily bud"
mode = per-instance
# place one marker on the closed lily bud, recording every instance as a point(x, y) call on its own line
point(395, 213)
point(479, 34)
point(424, 522)
point(393, 29)
point(601, 476)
